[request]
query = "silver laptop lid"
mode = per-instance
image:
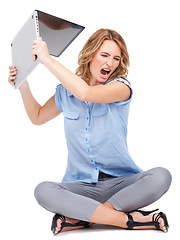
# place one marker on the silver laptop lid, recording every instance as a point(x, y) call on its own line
point(21, 48)
point(56, 32)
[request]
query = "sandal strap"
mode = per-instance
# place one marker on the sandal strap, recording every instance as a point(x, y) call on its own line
point(80, 223)
point(131, 223)
point(144, 213)
point(156, 223)
point(54, 222)
point(65, 224)
point(83, 223)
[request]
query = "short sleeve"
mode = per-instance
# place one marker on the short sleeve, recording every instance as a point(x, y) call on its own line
point(58, 97)
point(129, 85)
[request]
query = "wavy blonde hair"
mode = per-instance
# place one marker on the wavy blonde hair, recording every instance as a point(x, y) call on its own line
point(90, 48)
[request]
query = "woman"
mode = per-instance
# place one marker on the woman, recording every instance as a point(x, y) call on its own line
point(102, 184)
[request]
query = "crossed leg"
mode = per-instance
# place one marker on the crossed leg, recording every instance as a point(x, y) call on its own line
point(147, 188)
point(106, 214)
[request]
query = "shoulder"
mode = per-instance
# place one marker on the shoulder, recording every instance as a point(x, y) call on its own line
point(121, 80)
point(61, 91)
point(61, 95)
point(122, 87)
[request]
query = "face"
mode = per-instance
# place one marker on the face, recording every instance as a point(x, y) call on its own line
point(104, 62)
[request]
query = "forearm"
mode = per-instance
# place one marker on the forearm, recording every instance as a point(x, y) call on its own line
point(32, 107)
point(70, 81)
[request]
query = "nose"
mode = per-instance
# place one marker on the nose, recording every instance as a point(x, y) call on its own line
point(109, 62)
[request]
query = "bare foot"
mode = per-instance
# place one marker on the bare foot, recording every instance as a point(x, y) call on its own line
point(138, 217)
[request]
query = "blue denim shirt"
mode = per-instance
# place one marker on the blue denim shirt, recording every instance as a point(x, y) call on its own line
point(96, 137)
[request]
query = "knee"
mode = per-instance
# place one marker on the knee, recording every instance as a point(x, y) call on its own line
point(42, 191)
point(162, 179)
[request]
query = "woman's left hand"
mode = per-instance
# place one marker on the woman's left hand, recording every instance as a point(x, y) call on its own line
point(40, 50)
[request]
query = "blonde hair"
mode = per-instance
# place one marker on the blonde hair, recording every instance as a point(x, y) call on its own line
point(91, 47)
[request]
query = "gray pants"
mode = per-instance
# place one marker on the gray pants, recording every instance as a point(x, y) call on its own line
point(79, 200)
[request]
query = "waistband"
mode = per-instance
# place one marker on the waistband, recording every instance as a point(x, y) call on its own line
point(104, 175)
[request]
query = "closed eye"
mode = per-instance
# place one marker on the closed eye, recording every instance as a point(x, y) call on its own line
point(117, 58)
point(103, 55)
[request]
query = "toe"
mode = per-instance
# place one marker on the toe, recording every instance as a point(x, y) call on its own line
point(162, 225)
point(58, 226)
point(163, 228)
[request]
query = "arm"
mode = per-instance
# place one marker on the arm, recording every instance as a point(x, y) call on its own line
point(109, 93)
point(37, 114)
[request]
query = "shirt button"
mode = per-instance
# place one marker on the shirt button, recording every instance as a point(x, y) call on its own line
point(96, 168)
point(87, 118)
point(92, 160)
point(86, 139)
point(86, 129)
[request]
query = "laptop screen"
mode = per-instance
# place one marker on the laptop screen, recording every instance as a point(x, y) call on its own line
point(57, 33)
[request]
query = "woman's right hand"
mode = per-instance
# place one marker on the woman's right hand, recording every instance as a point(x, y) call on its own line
point(12, 74)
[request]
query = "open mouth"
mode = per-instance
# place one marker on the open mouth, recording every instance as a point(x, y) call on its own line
point(105, 71)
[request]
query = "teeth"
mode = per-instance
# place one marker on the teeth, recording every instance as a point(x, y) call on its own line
point(105, 71)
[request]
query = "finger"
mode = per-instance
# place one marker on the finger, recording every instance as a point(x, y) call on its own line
point(11, 81)
point(13, 70)
point(35, 52)
point(34, 56)
point(34, 48)
point(12, 77)
point(37, 41)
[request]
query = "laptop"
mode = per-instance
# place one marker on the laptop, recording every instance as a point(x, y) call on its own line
point(56, 32)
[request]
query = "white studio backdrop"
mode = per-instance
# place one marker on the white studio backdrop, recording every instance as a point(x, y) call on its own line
point(32, 154)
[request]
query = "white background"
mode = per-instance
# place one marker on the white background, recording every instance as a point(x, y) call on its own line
point(31, 154)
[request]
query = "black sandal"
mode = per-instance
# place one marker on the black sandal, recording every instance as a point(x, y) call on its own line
point(131, 223)
point(144, 213)
point(65, 224)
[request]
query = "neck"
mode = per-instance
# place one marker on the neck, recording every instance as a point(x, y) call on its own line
point(93, 82)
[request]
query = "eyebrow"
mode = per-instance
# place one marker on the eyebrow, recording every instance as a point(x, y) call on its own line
point(110, 54)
